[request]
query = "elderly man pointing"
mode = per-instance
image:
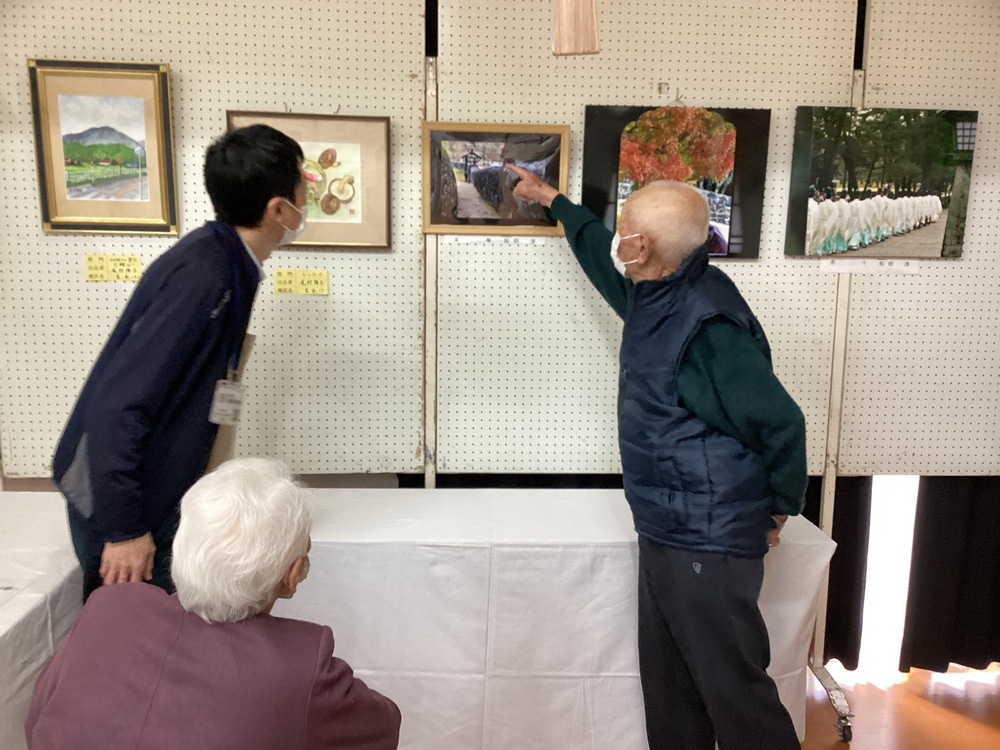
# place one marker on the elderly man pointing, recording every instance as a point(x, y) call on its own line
point(713, 457)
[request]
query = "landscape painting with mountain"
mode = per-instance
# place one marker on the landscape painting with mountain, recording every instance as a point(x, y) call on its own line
point(104, 147)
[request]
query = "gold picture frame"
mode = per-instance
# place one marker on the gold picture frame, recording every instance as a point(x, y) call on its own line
point(104, 146)
point(347, 170)
point(466, 188)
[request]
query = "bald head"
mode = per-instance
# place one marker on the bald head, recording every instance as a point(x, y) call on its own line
point(672, 216)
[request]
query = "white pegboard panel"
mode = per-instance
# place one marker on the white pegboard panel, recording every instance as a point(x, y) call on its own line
point(334, 382)
point(528, 351)
point(923, 372)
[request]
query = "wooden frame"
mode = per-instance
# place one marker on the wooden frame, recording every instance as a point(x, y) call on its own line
point(455, 201)
point(347, 166)
point(104, 146)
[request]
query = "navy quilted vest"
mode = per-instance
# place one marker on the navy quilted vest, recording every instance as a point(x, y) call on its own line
point(689, 485)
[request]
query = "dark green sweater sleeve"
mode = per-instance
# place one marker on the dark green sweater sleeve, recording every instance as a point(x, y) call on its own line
point(590, 241)
point(725, 378)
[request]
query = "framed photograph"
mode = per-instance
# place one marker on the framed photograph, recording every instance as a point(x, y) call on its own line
point(880, 183)
point(347, 175)
point(467, 190)
point(104, 146)
point(721, 152)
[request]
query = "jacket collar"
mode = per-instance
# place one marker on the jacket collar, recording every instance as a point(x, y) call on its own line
point(691, 269)
point(238, 251)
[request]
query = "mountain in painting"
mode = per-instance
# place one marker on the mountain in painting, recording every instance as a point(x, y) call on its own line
point(101, 136)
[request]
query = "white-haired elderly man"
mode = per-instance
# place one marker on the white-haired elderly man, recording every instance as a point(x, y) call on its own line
point(713, 458)
point(210, 667)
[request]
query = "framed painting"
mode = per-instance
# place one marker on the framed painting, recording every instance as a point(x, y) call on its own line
point(467, 189)
point(880, 183)
point(104, 146)
point(347, 175)
point(721, 152)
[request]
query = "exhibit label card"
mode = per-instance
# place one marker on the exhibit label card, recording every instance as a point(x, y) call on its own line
point(101, 267)
point(309, 281)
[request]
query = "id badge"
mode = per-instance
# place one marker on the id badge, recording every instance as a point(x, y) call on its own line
point(227, 402)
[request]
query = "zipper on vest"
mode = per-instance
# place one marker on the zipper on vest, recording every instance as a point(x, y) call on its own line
point(623, 355)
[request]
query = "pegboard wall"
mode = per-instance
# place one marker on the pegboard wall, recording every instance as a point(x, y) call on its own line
point(334, 382)
point(922, 387)
point(527, 354)
point(528, 351)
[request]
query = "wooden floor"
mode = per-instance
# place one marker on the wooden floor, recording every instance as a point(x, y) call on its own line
point(927, 711)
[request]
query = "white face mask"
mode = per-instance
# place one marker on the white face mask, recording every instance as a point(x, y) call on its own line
point(619, 263)
point(291, 235)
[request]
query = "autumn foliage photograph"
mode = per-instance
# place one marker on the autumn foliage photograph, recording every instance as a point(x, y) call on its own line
point(686, 144)
point(720, 152)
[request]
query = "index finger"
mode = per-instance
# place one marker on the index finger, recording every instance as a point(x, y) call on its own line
point(517, 170)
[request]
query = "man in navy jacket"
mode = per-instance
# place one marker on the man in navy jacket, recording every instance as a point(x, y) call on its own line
point(713, 459)
point(139, 435)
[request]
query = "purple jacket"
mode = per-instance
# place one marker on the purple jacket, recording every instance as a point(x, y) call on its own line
point(139, 672)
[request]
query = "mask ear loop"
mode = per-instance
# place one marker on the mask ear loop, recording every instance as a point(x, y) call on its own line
point(302, 214)
point(626, 237)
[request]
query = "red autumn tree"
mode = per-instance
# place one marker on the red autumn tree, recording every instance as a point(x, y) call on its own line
point(686, 144)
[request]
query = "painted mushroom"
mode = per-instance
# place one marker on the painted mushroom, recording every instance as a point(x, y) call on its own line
point(330, 204)
point(316, 183)
point(328, 159)
point(343, 188)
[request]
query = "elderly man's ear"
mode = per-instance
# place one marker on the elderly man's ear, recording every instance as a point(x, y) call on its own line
point(645, 252)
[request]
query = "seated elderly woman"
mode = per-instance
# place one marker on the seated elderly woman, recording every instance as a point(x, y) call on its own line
point(209, 667)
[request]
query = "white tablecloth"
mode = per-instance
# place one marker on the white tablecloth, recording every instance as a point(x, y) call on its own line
point(507, 619)
point(40, 590)
point(495, 619)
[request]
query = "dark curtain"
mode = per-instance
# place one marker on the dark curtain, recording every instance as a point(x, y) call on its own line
point(851, 522)
point(953, 607)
